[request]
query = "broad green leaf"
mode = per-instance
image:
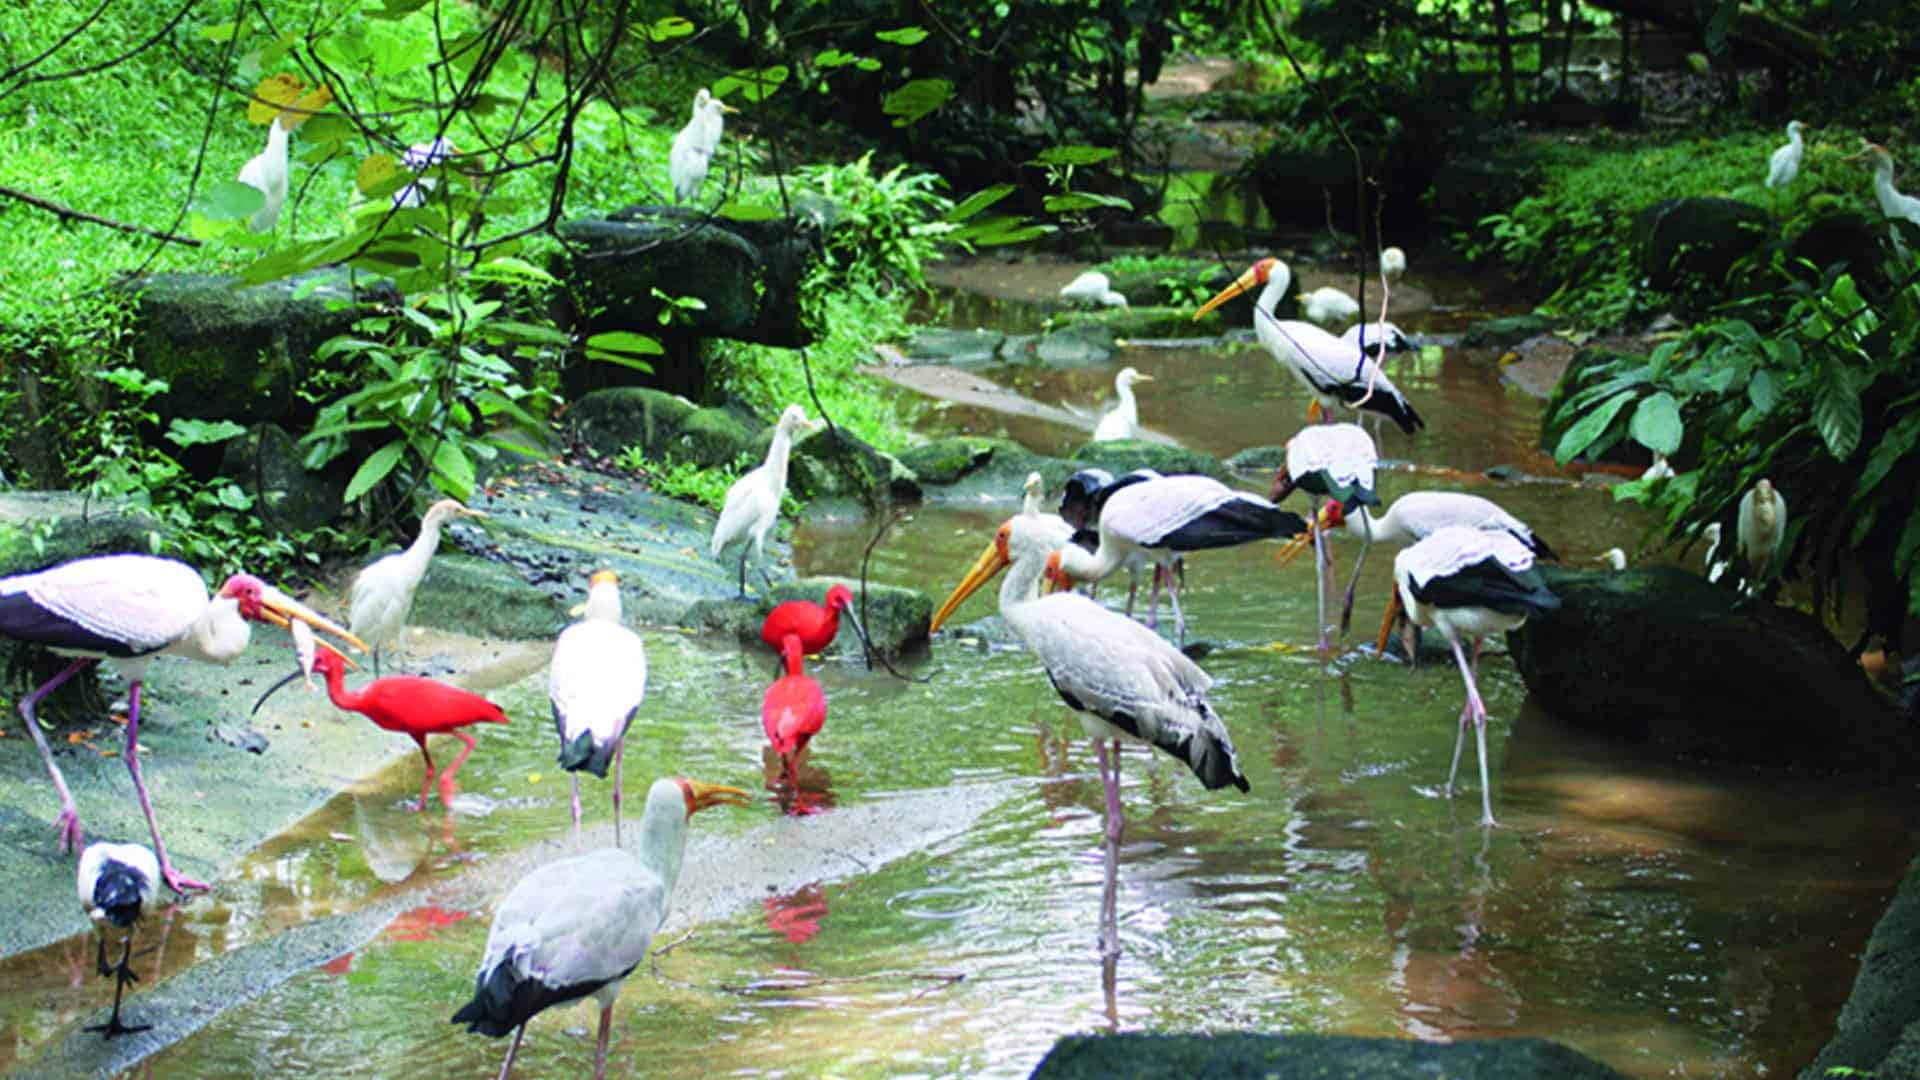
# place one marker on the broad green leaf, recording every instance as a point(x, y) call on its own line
point(529, 333)
point(666, 29)
point(1836, 412)
point(1656, 423)
point(752, 84)
point(219, 31)
point(624, 348)
point(1897, 443)
point(184, 432)
point(979, 201)
point(493, 402)
point(1073, 155)
point(452, 465)
point(734, 210)
point(999, 229)
point(916, 99)
point(374, 469)
point(374, 171)
point(1763, 390)
point(230, 200)
point(834, 58)
point(1590, 427)
point(395, 9)
point(1083, 200)
point(906, 35)
point(512, 269)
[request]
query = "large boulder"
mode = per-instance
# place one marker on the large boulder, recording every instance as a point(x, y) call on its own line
point(240, 352)
point(960, 348)
point(268, 465)
point(1505, 331)
point(1135, 323)
point(1247, 1056)
point(712, 437)
point(1662, 656)
point(611, 420)
point(1696, 239)
point(1125, 455)
point(972, 468)
point(1087, 345)
point(836, 463)
point(1878, 1033)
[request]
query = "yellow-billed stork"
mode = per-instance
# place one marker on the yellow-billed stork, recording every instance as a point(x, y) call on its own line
point(1123, 422)
point(1125, 681)
point(130, 609)
point(116, 881)
point(1468, 582)
point(753, 502)
point(596, 682)
point(1332, 371)
point(579, 926)
point(1336, 462)
point(381, 596)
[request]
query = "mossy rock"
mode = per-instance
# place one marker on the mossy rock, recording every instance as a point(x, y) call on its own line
point(997, 468)
point(1505, 332)
point(944, 461)
point(835, 463)
point(1076, 347)
point(711, 437)
point(488, 598)
point(959, 348)
point(611, 420)
point(1696, 238)
point(1258, 458)
point(268, 465)
point(1310, 1057)
point(1125, 455)
point(1134, 323)
point(1662, 656)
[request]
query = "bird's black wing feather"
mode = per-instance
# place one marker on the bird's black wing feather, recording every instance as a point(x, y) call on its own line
point(1489, 584)
point(1237, 521)
point(24, 620)
point(502, 1001)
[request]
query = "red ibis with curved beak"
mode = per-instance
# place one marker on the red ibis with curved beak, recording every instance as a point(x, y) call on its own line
point(1334, 372)
point(412, 705)
point(130, 609)
point(1468, 582)
point(792, 712)
point(815, 625)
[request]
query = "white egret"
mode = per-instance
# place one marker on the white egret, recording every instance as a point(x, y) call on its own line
point(1092, 288)
point(1784, 165)
point(1329, 306)
point(753, 502)
point(381, 596)
point(1123, 422)
point(267, 171)
point(1762, 524)
point(695, 145)
point(1892, 202)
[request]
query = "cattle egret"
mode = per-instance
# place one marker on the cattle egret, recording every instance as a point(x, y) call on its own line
point(1661, 469)
point(1892, 202)
point(695, 145)
point(381, 596)
point(116, 881)
point(267, 171)
point(1329, 306)
point(1762, 524)
point(1468, 583)
point(1336, 462)
point(1332, 371)
point(753, 502)
point(1092, 289)
point(1124, 681)
point(411, 705)
point(130, 609)
point(1784, 165)
point(597, 682)
point(1123, 422)
point(579, 926)
point(1615, 558)
point(1393, 264)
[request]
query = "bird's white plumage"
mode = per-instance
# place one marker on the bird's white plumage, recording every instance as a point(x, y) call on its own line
point(1892, 202)
point(1661, 469)
point(381, 596)
point(1380, 335)
point(97, 856)
point(1762, 523)
point(597, 679)
point(1093, 287)
point(695, 145)
point(753, 502)
point(1716, 566)
point(1329, 306)
point(145, 601)
point(1123, 422)
point(1033, 494)
point(1322, 362)
point(588, 918)
point(1393, 265)
point(1418, 514)
point(1784, 165)
point(1345, 452)
point(1144, 514)
point(1449, 550)
point(267, 171)
point(1615, 558)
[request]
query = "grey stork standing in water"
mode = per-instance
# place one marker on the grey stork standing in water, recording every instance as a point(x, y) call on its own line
point(116, 881)
point(1468, 583)
point(1125, 681)
point(1337, 462)
point(1334, 372)
point(580, 925)
point(596, 682)
point(130, 609)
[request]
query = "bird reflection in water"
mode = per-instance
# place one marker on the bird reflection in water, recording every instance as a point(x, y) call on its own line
point(796, 916)
point(804, 789)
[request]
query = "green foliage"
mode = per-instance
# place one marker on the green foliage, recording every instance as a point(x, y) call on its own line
point(1811, 387)
point(686, 480)
point(1179, 265)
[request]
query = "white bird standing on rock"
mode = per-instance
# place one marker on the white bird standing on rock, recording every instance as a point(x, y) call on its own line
point(1329, 306)
point(267, 171)
point(381, 596)
point(577, 927)
point(753, 502)
point(695, 145)
point(1093, 288)
point(596, 682)
point(1124, 421)
point(1784, 165)
point(1763, 521)
point(116, 881)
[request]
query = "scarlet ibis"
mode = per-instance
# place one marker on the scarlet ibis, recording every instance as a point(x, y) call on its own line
point(1337, 461)
point(1124, 681)
point(1332, 371)
point(1329, 306)
point(1092, 288)
point(1145, 513)
point(753, 502)
point(1123, 422)
point(381, 597)
point(1784, 165)
point(1468, 582)
point(815, 625)
point(580, 925)
point(596, 682)
point(1763, 521)
point(267, 171)
point(1393, 264)
point(792, 711)
point(129, 609)
point(695, 145)
point(116, 881)
point(411, 705)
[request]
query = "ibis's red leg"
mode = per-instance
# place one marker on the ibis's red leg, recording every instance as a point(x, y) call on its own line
point(576, 810)
point(1478, 710)
point(447, 787)
point(68, 823)
point(619, 762)
point(426, 783)
point(600, 1054)
point(176, 881)
point(519, 1033)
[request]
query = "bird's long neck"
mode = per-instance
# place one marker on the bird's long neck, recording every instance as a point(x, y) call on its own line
point(217, 636)
point(277, 150)
point(1023, 581)
point(791, 652)
point(337, 689)
point(1081, 565)
point(777, 455)
point(1385, 529)
point(1277, 282)
point(420, 552)
point(663, 840)
point(1883, 187)
point(603, 603)
point(1129, 409)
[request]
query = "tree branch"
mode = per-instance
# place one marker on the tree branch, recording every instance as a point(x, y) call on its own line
point(70, 214)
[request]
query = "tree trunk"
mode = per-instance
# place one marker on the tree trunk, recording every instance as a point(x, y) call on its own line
point(1508, 98)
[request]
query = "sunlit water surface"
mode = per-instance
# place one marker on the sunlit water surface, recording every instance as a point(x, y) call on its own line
point(1667, 918)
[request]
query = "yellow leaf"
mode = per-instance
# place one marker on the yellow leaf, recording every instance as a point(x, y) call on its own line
point(375, 170)
point(308, 103)
point(273, 92)
point(533, 778)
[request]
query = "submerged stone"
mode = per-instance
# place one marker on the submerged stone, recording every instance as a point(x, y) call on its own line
point(961, 348)
point(1075, 347)
point(1310, 1057)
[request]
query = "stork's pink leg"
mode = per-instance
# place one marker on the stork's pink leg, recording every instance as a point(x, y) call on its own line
point(576, 810)
point(1478, 710)
point(606, 1030)
point(519, 1033)
point(619, 761)
point(176, 881)
point(1109, 922)
point(68, 823)
point(1320, 579)
point(1179, 617)
point(1153, 597)
point(1133, 589)
point(448, 789)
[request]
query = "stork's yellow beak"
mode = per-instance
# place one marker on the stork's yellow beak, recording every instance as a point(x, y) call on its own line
point(1292, 548)
point(701, 796)
point(280, 609)
point(1241, 284)
point(1386, 626)
point(991, 562)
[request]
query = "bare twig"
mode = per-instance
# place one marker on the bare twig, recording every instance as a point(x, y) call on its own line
point(70, 214)
point(864, 561)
